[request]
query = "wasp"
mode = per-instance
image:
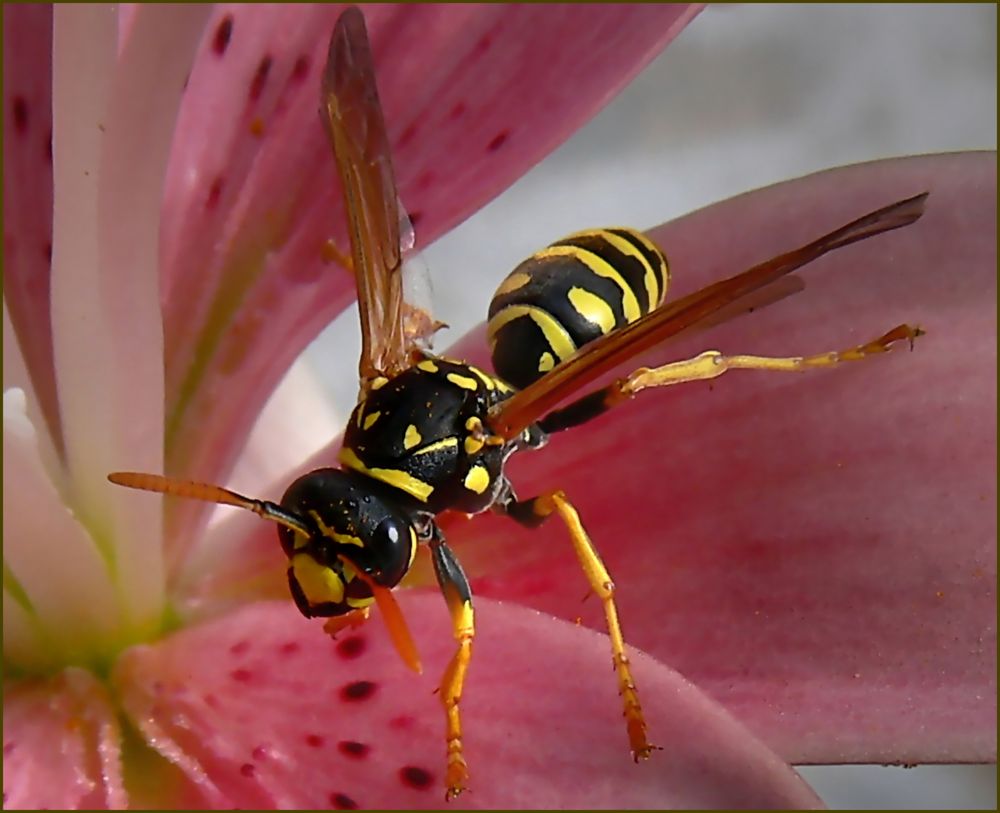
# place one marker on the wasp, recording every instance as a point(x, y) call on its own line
point(430, 435)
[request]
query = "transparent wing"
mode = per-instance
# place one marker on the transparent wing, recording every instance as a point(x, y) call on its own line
point(377, 225)
point(511, 416)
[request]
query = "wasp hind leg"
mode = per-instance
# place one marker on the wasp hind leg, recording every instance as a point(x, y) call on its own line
point(534, 512)
point(708, 365)
point(458, 597)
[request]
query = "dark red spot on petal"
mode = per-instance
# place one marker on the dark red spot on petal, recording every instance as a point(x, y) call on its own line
point(211, 701)
point(497, 141)
point(223, 33)
point(301, 68)
point(240, 647)
point(314, 740)
point(214, 194)
point(241, 675)
point(351, 647)
point(247, 770)
point(457, 111)
point(483, 45)
point(9, 748)
point(424, 180)
point(341, 801)
point(356, 750)
point(402, 723)
point(358, 690)
point(290, 648)
point(415, 777)
point(48, 148)
point(406, 136)
point(415, 218)
point(47, 251)
point(259, 753)
point(19, 111)
point(260, 78)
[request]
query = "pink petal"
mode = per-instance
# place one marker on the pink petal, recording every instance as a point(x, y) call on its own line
point(112, 135)
point(69, 599)
point(473, 97)
point(61, 744)
point(27, 192)
point(818, 552)
point(261, 710)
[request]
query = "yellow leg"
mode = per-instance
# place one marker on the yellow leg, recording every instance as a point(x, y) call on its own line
point(604, 588)
point(352, 620)
point(457, 772)
point(458, 597)
point(712, 364)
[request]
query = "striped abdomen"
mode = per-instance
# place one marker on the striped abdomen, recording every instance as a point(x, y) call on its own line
point(570, 293)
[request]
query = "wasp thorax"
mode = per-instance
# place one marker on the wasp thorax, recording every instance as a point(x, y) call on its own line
point(353, 526)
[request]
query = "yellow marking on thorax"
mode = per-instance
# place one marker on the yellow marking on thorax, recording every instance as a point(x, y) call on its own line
point(411, 438)
point(546, 362)
point(513, 281)
point(555, 334)
point(473, 444)
point(488, 381)
point(369, 421)
point(598, 265)
point(379, 382)
point(393, 477)
point(319, 584)
point(463, 381)
point(592, 308)
point(477, 480)
point(427, 366)
point(438, 445)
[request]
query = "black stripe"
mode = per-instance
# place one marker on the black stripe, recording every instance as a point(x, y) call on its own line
point(657, 259)
point(519, 345)
point(551, 280)
point(631, 269)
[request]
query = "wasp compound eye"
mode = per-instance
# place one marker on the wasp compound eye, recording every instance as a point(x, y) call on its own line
point(352, 525)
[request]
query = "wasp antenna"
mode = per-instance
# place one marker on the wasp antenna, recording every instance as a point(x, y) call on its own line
point(392, 615)
point(206, 492)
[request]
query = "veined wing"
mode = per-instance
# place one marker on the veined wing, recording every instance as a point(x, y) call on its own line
point(377, 224)
point(511, 416)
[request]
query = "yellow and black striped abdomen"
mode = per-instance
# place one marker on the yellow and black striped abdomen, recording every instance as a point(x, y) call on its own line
point(570, 293)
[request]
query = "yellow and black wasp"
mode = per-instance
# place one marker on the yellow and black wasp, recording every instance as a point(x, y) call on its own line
point(430, 435)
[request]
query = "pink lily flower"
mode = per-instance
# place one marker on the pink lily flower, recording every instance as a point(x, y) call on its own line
point(822, 575)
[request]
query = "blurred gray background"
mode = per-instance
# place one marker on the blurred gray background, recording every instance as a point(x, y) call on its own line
point(745, 97)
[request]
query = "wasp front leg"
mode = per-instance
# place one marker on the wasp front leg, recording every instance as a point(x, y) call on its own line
point(458, 596)
point(532, 513)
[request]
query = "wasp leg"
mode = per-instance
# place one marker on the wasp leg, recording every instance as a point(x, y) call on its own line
point(711, 364)
point(532, 513)
point(458, 596)
point(352, 620)
point(331, 253)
